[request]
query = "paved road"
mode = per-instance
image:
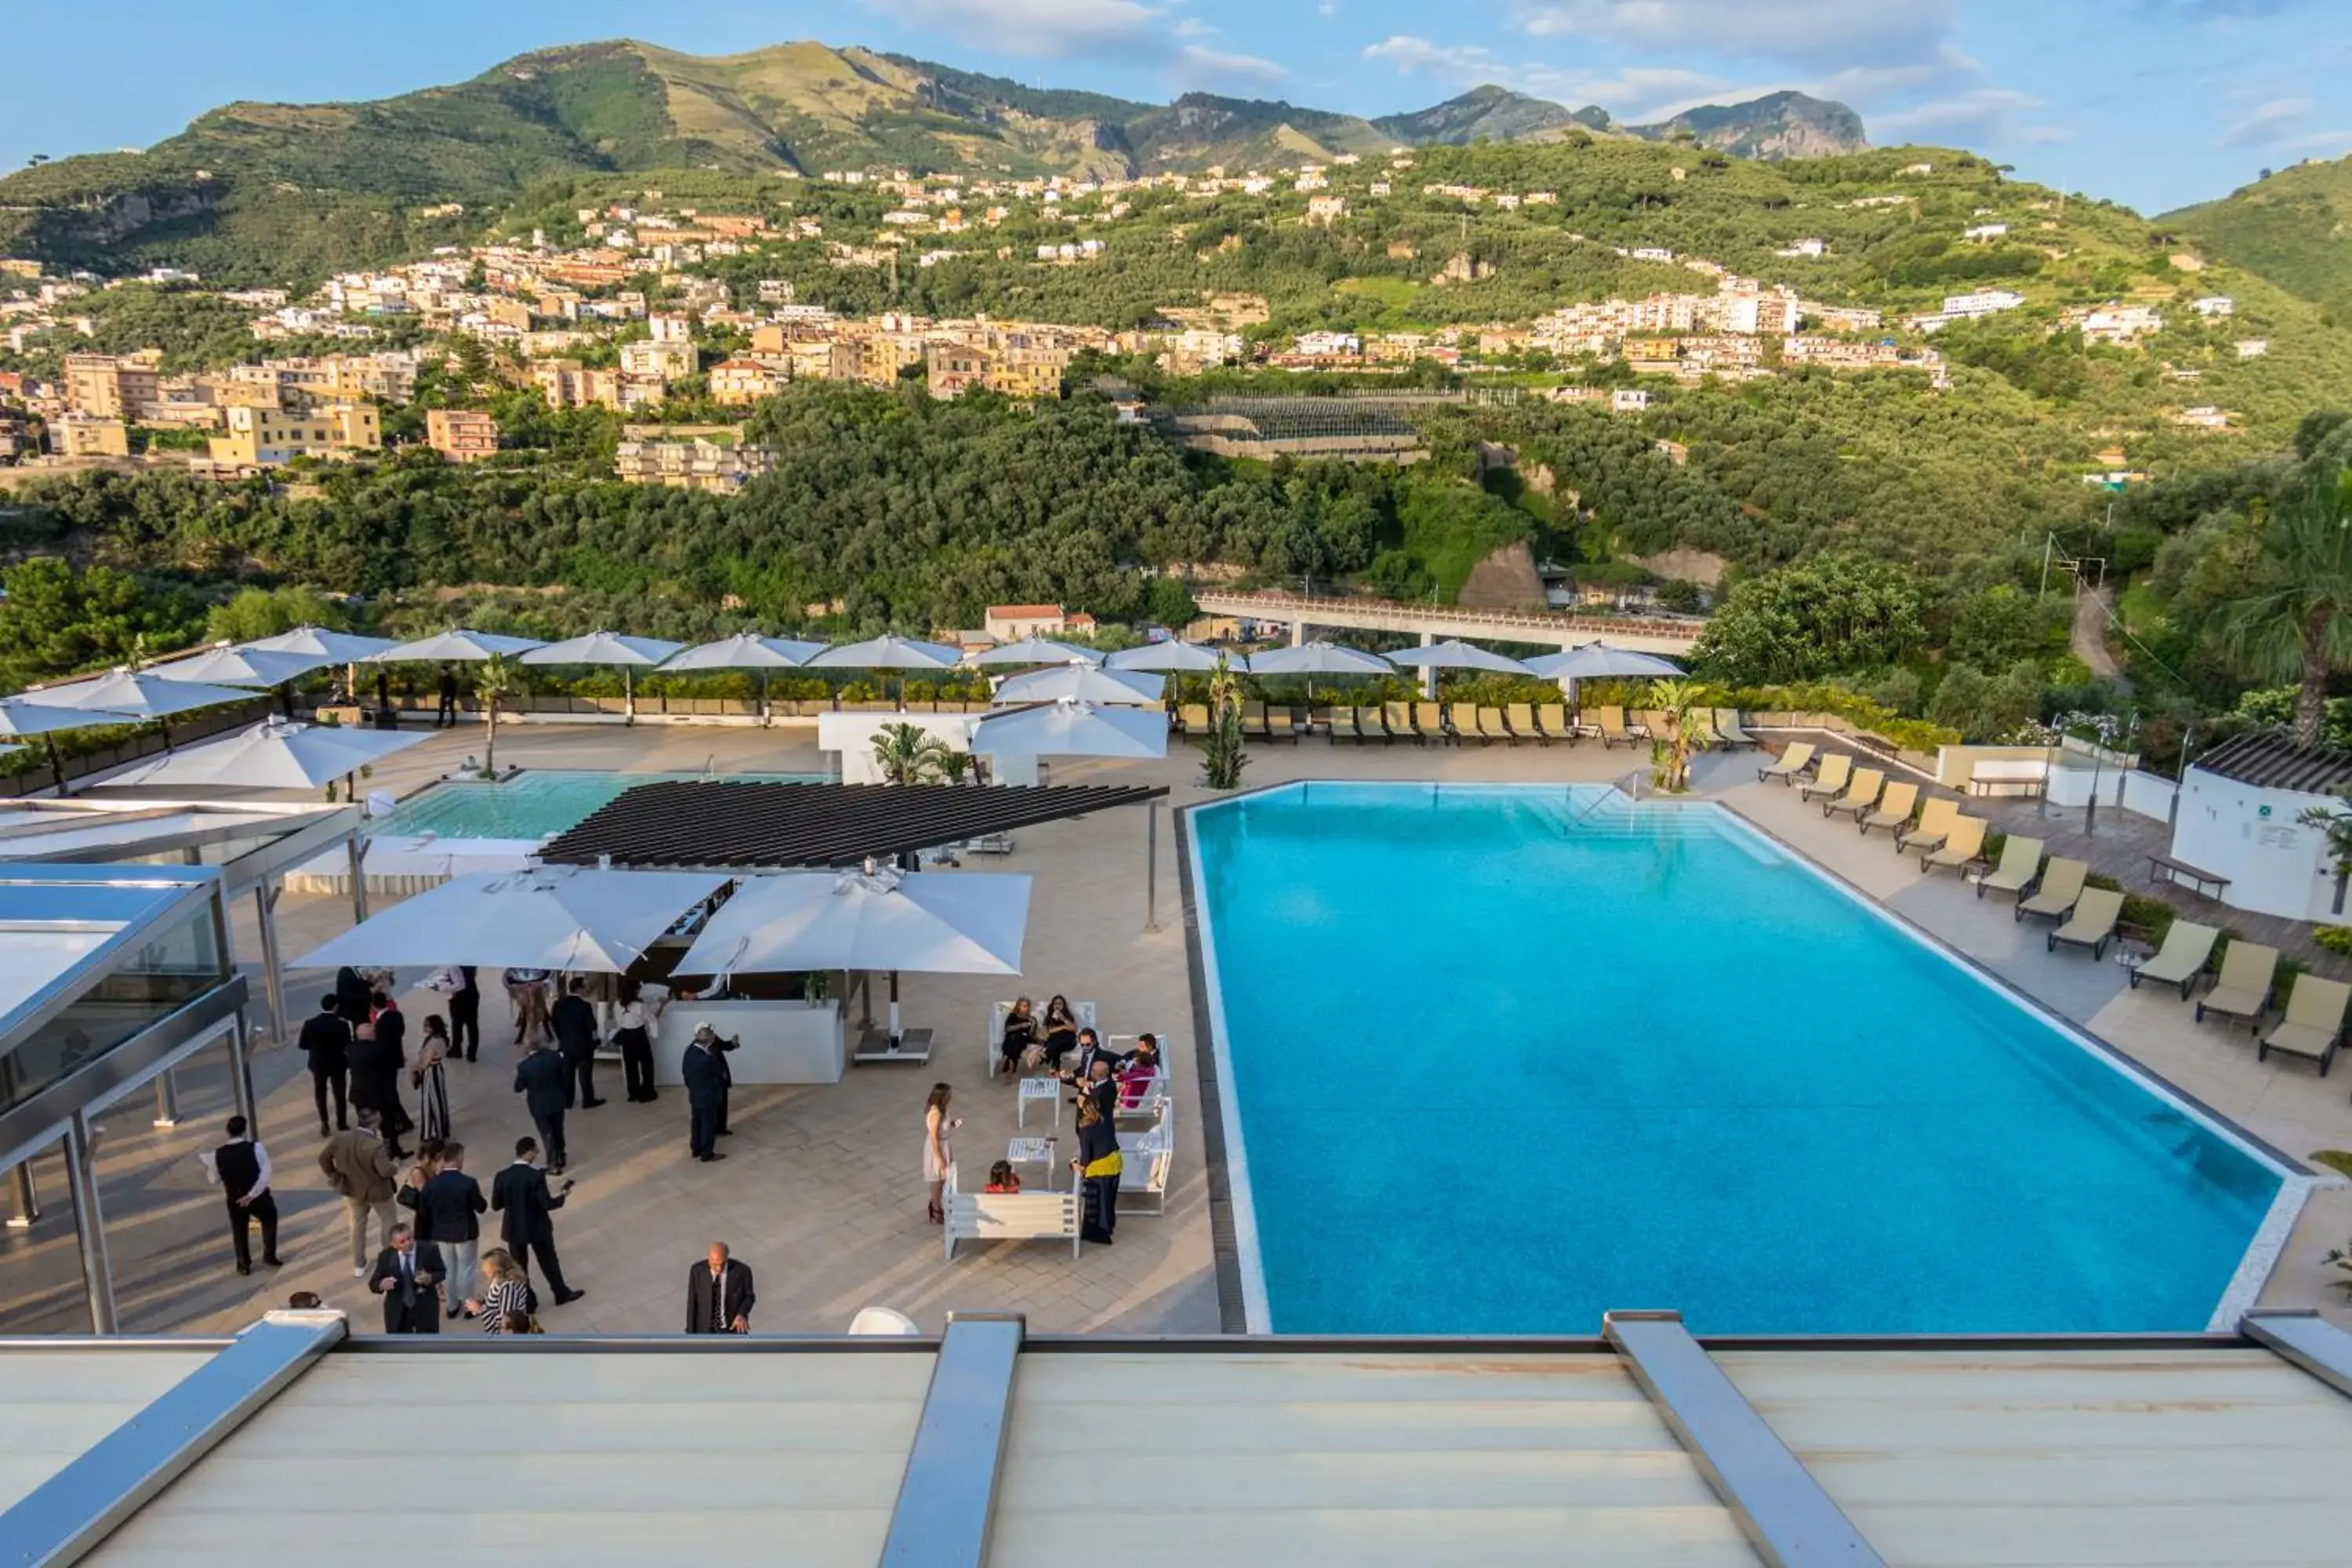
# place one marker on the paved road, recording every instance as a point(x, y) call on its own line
point(2092, 612)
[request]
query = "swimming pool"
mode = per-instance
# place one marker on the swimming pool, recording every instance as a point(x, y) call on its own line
point(536, 802)
point(1498, 1060)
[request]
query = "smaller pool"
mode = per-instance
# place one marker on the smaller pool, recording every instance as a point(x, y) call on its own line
point(538, 802)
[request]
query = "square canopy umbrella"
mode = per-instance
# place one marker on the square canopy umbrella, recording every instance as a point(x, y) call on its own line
point(224, 664)
point(139, 694)
point(33, 716)
point(1458, 655)
point(629, 654)
point(1177, 658)
point(1320, 657)
point(1597, 661)
point(337, 648)
point(888, 652)
point(1036, 650)
point(273, 754)
point(1071, 729)
point(1082, 683)
point(747, 650)
point(549, 917)
point(456, 645)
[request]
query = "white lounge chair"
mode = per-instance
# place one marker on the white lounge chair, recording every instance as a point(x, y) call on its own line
point(1145, 1160)
point(1009, 1216)
point(999, 1011)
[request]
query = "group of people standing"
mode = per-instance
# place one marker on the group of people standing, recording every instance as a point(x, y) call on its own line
point(1101, 1081)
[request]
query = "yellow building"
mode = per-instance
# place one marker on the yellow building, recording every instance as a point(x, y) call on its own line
point(106, 386)
point(461, 435)
point(86, 436)
point(743, 381)
point(264, 438)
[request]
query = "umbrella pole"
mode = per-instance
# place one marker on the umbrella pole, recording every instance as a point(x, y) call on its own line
point(57, 763)
point(767, 717)
point(894, 1010)
point(629, 693)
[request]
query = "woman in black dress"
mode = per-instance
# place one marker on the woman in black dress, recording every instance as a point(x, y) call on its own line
point(1020, 1034)
point(1097, 1168)
point(1061, 1031)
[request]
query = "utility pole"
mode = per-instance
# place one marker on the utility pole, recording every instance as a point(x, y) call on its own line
point(2049, 543)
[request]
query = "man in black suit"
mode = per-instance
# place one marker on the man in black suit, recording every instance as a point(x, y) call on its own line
point(326, 1040)
point(407, 1274)
point(375, 1084)
point(465, 1014)
point(448, 1210)
point(521, 1194)
point(719, 1296)
point(705, 1093)
point(574, 1019)
point(545, 1085)
point(241, 1166)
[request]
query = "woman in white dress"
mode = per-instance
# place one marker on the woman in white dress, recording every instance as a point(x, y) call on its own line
point(939, 1153)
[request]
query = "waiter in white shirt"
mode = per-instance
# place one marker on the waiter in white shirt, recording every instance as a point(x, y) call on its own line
point(240, 1168)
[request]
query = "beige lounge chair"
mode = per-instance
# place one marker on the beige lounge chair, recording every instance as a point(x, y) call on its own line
point(2093, 924)
point(1936, 820)
point(1462, 717)
point(2182, 959)
point(1282, 725)
point(1894, 813)
point(1553, 717)
point(1611, 721)
point(1962, 849)
point(1860, 795)
point(1794, 761)
point(2243, 990)
point(1492, 728)
point(2314, 1024)
point(1196, 718)
point(1522, 717)
point(1397, 719)
point(2021, 863)
point(1372, 725)
point(2061, 885)
point(1254, 725)
point(1429, 718)
point(1727, 729)
point(1341, 725)
point(1835, 774)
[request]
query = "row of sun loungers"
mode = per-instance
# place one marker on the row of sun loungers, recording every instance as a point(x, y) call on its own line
point(1456, 723)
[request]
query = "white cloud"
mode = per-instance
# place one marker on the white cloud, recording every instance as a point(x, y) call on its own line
point(1984, 114)
point(1635, 92)
point(1810, 31)
point(1053, 29)
point(2268, 125)
point(1193, 63)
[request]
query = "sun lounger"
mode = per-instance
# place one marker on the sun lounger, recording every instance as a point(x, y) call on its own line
point(2061, 885)
point(1860, 795)
point(1935, 825)
point(1647, 722)
point(1010, 1216)
point(1521, 718)
point(2182, 959)
point(2093, 924)
point(1253, 721)
point(1794, 761)
point(1341, 726)
point(1462, 721)
point(1492, 728)
point(2243, 990)
point(1894, 813)
point(1699, 730)
point(1610, 723)
point(1961, 850)
point(1396, 718)
point(1727, 727)
point(2314, 1024)
point(1429, 718)
point(1835, 772)
point(1196, 718)
point(1372, 726)
point(2020, 864)
point(1281, 725)
point(1144, 1159)
point(1553, 717)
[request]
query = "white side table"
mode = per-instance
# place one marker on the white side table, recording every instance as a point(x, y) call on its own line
point(1021, 1152)
point(1048, 1089)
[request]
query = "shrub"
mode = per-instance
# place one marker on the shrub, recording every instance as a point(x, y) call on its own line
point(2334, 939)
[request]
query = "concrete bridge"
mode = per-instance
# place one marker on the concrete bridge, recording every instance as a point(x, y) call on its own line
point(1434, 623)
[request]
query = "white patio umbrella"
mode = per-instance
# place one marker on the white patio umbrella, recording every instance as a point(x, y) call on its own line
point(338, 648)
point(1177, 658)
point(1071, 729)
point(888, 652)
point(549, 917)
point(273, 754)
point(139, 694)
point(456, 645)
point(629, 655)
point(942, 922)
point(748, 650)
point(1082, 683)
point(1036, 650)
point(1458, 655)
point(35, 715)
point(1318, 658)
point(224, 664)
point(1597, 661)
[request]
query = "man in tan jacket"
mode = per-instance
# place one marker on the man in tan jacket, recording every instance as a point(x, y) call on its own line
point(358, 1168)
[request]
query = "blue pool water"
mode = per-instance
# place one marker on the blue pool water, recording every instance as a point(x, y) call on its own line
point(534, 803)
point(1503, 1060)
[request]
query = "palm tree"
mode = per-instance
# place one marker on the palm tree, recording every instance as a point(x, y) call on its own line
point(908, 755)
point(1224, 755)
point(494, 679)
point(1670, 752)
point(2297, 624)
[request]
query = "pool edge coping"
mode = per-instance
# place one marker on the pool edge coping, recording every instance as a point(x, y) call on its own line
point(1223, 1140)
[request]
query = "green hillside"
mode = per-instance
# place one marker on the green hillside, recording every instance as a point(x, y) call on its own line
point(2294, 228)
point(1489, 113)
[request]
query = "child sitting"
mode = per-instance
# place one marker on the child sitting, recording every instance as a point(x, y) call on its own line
point(1000, 1178)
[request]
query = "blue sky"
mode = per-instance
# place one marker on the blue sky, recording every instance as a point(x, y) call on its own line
point(2152, 103)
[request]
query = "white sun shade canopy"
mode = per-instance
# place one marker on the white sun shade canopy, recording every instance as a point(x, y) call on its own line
point(1598, 660)
point(33, 716)
point(230, 666)
point(340, 647)
point(889, 653)
point(1082, 683)
point(1071, 729)
point(1177, 658)
point(605, 648)
point(746, 650)
point(934, 922)
point(272, 755)
point(456, 645)
point(1320, 657)
point(1456, 654)
point(549, 917)
point(139, 693)
point(1036, 650)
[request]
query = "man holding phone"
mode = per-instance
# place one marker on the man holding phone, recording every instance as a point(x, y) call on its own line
point(520, 1195)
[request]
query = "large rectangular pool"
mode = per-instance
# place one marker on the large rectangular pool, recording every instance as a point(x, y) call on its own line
point(1498, 1060)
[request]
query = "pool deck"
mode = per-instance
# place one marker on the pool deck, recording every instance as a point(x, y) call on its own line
point(821, 1193)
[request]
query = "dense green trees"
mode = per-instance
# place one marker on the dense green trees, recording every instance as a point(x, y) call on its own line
point(1835, 614)
point(56, 621)
point(2292, 620)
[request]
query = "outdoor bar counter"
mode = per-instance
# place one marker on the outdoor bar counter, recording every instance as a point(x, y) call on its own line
point(784, 1042)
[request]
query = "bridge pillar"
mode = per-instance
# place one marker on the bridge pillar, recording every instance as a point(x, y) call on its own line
point(1429, 672)
point(1298, 633)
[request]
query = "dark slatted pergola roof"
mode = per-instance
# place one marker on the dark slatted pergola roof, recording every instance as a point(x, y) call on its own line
point(724, 825)
point(2270, 760)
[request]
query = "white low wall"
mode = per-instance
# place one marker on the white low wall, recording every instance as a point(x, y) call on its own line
point(852, 734)
point(2276, 865)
